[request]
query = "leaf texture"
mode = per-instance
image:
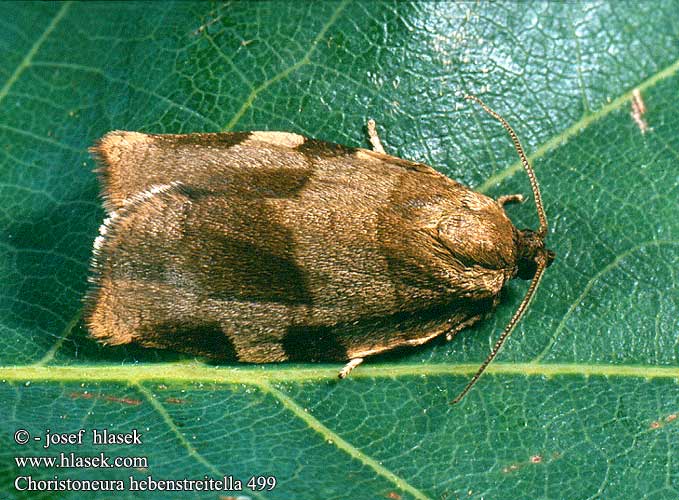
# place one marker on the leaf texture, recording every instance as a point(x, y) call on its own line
point(583, 400)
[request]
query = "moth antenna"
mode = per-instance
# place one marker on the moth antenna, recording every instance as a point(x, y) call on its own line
point(527, 167)
point(542, 259)
point(541, 266)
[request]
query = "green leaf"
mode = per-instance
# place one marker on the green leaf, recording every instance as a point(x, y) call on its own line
point(582, 401)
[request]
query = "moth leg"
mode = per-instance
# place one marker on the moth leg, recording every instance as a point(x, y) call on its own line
point(374, 138)
point(450, 335)
point(353, 363)
point(510, 198)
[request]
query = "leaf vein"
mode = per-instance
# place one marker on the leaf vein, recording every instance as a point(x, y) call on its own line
point(291, 69)
point(590, 284)
point(579, 126)
point(156, 95)
point(343, 445)
point(26, 61)
point(194, 373)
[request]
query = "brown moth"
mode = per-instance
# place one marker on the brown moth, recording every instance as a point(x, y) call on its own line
point(270, 246)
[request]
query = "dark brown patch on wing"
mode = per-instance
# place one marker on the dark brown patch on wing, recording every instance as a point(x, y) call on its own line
point(237, 248)
point(313, 344)
point(205, 339)
point(260, 183)
point(323, 149)
point(252, 271)
point(132, 162)
point(220, 139)
point(254, 183)
point(374, 333)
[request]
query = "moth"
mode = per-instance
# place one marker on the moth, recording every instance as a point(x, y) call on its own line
point(270, 246)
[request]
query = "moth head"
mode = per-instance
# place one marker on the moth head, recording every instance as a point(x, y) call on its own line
point(533, 257)
point(531, 249)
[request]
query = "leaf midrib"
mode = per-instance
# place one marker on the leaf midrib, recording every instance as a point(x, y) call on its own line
point(192, 373)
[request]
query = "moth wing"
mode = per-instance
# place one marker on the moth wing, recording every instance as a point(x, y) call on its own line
point(132, 162)
point(178, 267)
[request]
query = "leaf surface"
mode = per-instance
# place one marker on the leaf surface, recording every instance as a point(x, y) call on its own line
point(582, 402)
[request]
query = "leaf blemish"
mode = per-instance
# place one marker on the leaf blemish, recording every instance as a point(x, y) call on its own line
point(176, 401)
point(657, 424)
point(207, 24)
point(126, 401)
point(638, 110)
point(510, 468)
point(534, 459)
point(81, 395)
point(114, 399)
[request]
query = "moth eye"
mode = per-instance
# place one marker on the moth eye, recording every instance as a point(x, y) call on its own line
point(526, 269)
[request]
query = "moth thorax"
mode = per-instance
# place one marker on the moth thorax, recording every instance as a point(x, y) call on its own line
point(530, 245)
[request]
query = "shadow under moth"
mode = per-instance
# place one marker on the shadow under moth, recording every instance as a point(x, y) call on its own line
point(270, 246)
